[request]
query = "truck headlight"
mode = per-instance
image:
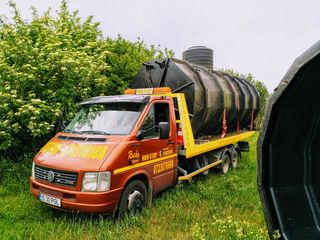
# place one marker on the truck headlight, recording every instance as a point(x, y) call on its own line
point(96, 181)
point(33, 171)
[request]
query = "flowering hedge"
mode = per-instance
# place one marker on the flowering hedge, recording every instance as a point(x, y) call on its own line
point(49, 64)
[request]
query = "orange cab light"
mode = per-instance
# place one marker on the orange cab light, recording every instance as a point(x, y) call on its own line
point(130, 91)
point(147, 91)
point(161, 90)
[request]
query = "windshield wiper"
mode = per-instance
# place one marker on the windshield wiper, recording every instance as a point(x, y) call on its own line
point(95, 132)
point(71, 131)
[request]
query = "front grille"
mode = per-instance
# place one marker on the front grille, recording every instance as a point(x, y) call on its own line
point(60, 177)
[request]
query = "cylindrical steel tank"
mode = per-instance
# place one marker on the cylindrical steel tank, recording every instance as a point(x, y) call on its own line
point(199, 55)
point(208, 94)
point(289, 152)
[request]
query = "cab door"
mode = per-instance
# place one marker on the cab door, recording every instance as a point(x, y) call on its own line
point(160, 153)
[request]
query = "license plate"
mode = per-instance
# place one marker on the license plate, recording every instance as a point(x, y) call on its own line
point(50, 200)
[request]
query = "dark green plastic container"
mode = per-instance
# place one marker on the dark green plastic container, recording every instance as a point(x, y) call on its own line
point(208, 93)
point(289, 151)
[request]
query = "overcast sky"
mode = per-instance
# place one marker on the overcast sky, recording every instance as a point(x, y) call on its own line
point(250, 36)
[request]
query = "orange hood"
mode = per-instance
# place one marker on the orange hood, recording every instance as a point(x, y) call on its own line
point(80, 155)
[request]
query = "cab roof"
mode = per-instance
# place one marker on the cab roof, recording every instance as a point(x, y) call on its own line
point(117, 98)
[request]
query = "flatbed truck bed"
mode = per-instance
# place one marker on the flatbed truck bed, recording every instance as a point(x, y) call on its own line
point(194, 147)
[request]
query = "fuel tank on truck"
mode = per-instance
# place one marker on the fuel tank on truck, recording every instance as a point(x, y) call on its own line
point(211, 96)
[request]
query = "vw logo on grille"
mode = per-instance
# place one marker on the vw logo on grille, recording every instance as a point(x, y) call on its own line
point(50, 176)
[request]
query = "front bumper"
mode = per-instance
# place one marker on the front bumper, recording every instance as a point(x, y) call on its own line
point(90, 202)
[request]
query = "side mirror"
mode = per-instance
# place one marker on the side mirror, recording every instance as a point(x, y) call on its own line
point(164, 130)
point(140, 135)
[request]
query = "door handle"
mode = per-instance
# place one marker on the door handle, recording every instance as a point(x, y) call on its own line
point(170, 142)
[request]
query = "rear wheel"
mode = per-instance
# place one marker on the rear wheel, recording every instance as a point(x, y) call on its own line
point(234, 157)
point(133, 198)
point(224, 166)
point(201, 162)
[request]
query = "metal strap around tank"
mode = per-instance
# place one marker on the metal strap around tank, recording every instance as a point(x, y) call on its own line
point(198, 78)
point(183, 87)
point(164, 73)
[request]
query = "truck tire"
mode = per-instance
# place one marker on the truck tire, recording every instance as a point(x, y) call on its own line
point(234, 156)
point(200, 162)
point(225, 165)
point(133, 198)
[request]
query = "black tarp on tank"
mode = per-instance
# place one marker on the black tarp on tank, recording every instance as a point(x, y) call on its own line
point(208, 93)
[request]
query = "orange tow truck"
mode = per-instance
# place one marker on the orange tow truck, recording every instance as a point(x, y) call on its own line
point(120, 150)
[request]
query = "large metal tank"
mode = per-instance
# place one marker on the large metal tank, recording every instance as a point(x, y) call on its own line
point(289, 152)
point(208, 94)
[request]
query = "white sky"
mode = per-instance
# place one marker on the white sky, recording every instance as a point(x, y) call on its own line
point(260, 37)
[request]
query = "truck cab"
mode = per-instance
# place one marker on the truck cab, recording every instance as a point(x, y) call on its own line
point(113, 156)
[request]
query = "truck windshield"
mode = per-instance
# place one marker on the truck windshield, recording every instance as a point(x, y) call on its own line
point(108, 118)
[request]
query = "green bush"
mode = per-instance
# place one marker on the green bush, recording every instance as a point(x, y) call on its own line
point(126, 58)
point(49, 64)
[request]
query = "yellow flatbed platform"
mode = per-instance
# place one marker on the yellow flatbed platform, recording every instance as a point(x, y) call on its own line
point(192, 146)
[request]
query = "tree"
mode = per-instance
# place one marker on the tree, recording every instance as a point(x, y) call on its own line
point(49, 64)
point(260, 86)
point(126, 58)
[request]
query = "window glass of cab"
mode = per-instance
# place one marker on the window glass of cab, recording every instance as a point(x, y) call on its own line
point(159, 112)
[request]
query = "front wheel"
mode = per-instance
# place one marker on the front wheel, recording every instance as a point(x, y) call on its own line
point(133, 198)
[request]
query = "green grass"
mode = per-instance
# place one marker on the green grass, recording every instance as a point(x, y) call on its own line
point(209, 207)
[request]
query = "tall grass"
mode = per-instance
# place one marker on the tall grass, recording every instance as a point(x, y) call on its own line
point(210, 207)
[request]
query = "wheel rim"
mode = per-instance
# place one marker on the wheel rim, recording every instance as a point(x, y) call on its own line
point(135, 201)
point(225, 164)
point(234, 161)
